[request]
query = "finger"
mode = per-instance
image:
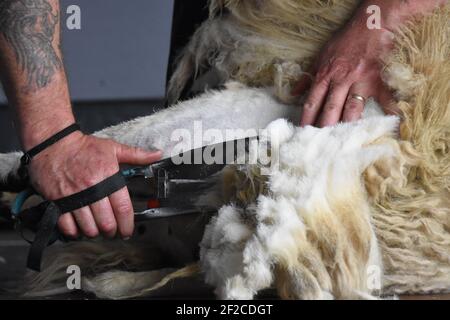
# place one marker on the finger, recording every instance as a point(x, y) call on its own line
point(86, 222)
point(303, 85)
point(332, 111)
point(314, 102)
point(123, 211)
point(132, 155)
point(354, 107)
point(68, 226)
point(104, 217)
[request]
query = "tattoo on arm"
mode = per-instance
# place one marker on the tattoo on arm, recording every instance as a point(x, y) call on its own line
point(29, 27)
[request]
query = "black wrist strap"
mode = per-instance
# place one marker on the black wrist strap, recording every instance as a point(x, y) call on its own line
point(93, 194)
point(44, 217)
point(26, 158)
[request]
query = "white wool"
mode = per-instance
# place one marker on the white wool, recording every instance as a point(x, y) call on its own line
point(226, 260)
point(312, 163)
point(234, 288)
point(9, 167)
point(403, 78)
point(234, 231)
point(8, 163)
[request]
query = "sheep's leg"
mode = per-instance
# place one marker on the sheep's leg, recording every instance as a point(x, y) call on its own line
point(233, 113)
point(229, 114)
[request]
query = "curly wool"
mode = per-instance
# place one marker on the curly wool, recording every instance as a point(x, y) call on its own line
point(260, 43)
point(412, 214)
point(409, 195)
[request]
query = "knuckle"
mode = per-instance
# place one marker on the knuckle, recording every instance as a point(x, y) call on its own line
point(119, 149)
point(134, 152)
point(331, 106)
point(124, 208)
point(90, 180)
point(360, 69)
point(341, 64)
point(108, 226)
point(353, 106)
point(321, 75)
point(312, 102)
point(322, 83)
point(335, 84)
point(133, 149)
point(309, 106)
point(341, 74)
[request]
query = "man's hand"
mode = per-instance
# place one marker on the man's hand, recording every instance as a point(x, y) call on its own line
point(32, 73)
point(78, 162)
point(348, 70)
point(349, 65)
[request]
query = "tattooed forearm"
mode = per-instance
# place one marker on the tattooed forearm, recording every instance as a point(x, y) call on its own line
point(29, 27)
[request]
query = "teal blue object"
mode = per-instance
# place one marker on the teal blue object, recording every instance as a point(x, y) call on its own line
point(139, 171)
point(129, 173)
point(20, 200)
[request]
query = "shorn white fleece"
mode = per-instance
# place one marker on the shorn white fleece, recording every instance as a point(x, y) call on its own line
point(318, 178)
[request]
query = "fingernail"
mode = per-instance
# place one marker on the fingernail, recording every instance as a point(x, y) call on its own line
point(126, 238)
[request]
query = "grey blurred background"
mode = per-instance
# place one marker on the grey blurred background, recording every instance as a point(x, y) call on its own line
point(116, 64)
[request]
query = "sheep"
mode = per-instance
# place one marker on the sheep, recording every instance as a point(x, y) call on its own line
point(357, 210)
